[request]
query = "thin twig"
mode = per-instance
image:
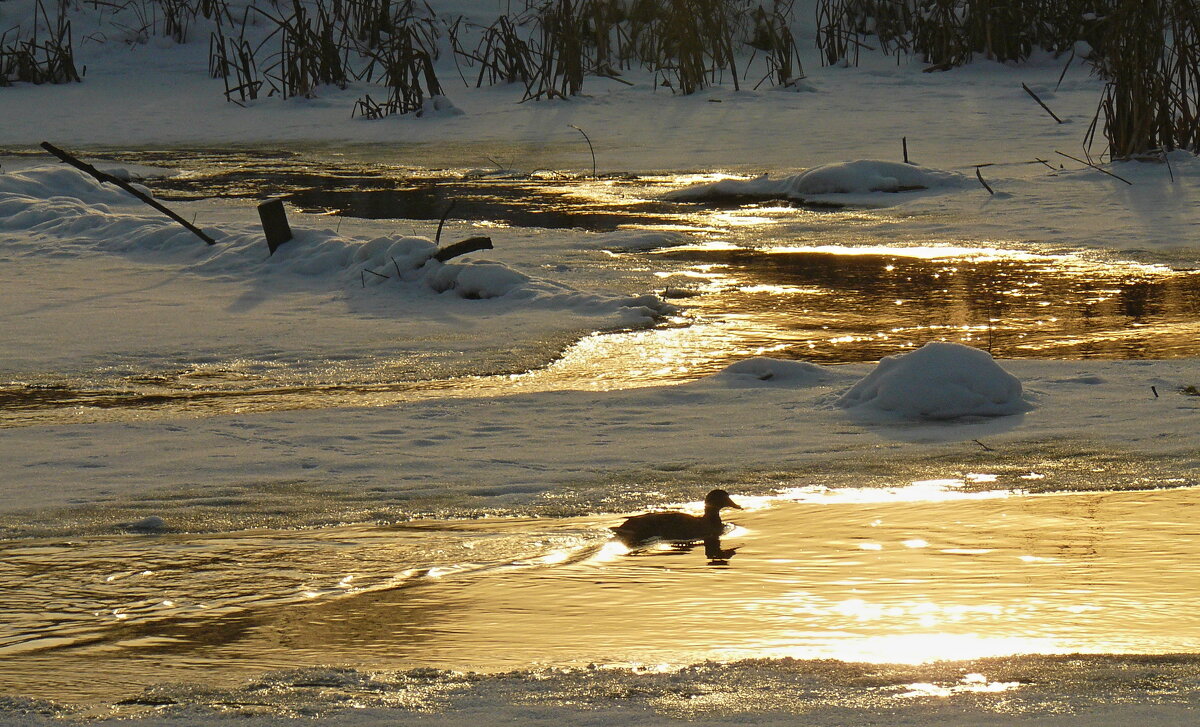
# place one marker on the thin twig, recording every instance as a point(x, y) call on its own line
point(437, 238)
point(1063, 75)
point(985, 184)
point(1035, 98)
point(981, 444)
point(378, 275)
point(618, 79)
point(1093, 166)
point(590, 148)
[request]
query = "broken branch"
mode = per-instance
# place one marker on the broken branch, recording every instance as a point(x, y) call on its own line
point(471, 244)
point(105, 177)
point(985, 184)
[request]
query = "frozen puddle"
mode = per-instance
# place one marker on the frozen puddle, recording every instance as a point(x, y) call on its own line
point(918, 574)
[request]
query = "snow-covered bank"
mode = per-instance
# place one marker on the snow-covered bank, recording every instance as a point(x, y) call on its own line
point(948, 118)
point(158, 293)
point(1096, 425)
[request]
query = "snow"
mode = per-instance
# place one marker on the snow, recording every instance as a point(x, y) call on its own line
point(936, 382)
point(95, 287)
point(752, 371)
point(490, 452)
point(857, 177)
point(90, 227)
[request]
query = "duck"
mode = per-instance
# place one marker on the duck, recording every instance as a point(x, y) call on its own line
point(678, 527)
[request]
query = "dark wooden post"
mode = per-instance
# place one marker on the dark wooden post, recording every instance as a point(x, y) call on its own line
point(275, 223)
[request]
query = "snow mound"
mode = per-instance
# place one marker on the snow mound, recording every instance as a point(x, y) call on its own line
point(439, 106)
point(54, 182)
point(858, 177)
point(762, 370)
point(939, 381)
point(147, 524)
point(869, 176)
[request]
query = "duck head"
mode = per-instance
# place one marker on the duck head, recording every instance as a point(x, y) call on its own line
point(718, 499)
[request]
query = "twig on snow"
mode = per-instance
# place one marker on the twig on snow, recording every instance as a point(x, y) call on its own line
point(985, 184)
point(1029, 91)
point(1093, 166)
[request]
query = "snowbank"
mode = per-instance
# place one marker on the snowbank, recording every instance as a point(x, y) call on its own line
point(938, 381)
point(858, 177)
point(83, 216)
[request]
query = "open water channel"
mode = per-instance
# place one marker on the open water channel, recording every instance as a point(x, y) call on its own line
point(767, 278)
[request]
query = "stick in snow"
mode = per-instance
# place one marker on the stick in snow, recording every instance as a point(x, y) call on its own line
point(1035, 98)
point(1093, 166)
point(437, 239)
point(104, 177)
point(985, 184)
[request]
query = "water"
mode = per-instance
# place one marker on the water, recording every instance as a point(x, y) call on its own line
point(850, 575)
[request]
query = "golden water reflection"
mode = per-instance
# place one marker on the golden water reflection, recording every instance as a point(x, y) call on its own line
point(831, 303)
point(948, 574)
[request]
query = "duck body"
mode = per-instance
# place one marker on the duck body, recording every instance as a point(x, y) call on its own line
point(677, 527)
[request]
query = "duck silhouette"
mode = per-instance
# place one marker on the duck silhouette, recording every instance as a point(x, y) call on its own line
point(680, 528)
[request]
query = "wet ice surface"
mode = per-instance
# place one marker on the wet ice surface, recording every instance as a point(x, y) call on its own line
point(936, 571)
point(1044, 690)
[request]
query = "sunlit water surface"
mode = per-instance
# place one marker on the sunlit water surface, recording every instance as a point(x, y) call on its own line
point(931, 571)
